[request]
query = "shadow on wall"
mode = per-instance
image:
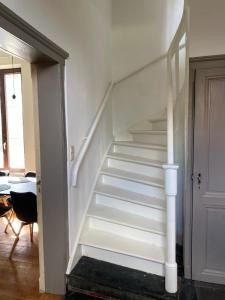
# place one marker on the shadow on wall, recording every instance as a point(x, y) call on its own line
point(139, 97)
point(141, 34)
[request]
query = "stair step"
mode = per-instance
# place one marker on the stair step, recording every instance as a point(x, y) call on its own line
point(157, 120)
point(130, 202)
point(127, 219)
point(158, 137)
point(147, 131)
point(133, 197)
point(140, 145)
point(139, 165)
point(133, 177)
point(159, 124)
point(136, 159)
point(120, 244)
point(146, 151)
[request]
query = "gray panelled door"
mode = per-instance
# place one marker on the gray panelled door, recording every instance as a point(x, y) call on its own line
point(208, 244)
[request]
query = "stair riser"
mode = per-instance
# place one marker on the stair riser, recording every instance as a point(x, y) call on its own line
point(154, 172)
point(125, 231)
point(141, 210)
point(155, 139)
point(133, 186)
point(159, 125)
point(154, 154)
point(124, 260)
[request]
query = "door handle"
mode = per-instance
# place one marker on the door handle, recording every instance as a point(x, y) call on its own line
point(199, 180)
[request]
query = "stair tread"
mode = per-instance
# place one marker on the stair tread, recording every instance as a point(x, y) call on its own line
point(125, 218)
point(147, 131)
point(140, 145)
point(137, 159)
point(133, 177)
point(112, 242)
point(141, 199)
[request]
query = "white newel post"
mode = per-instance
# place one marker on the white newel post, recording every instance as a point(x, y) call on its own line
point(171, 192)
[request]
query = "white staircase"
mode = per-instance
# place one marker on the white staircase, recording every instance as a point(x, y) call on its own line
point(126, 221)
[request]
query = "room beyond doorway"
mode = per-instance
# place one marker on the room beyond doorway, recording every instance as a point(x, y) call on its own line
point(17, 133)
point(21, 40)
point(19, 279)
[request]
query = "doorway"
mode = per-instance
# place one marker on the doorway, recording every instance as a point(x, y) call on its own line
point(207, 202)
point(19, 39)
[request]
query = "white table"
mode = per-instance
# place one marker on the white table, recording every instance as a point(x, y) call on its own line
point(18, 187)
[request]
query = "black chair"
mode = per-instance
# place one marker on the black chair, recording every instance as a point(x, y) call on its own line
point(25, 207)
point(30, 174)
point(2, 173)
point(4, 213)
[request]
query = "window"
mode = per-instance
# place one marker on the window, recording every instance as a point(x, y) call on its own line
point(11, 121)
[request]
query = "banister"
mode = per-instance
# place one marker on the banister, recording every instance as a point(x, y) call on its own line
point(88, 138)
point(179, 33)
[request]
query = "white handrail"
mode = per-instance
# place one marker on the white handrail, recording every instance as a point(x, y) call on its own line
point(171, 168)
point(88, 138)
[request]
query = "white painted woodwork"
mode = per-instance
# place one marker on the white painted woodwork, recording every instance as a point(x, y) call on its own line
point(124, 180)
point(152, 208)
point(141, 150)
point(89, 137)
point(159, 124)
point(126, 220)
point(135, 165)
point(127, 195)
point(122, 256)
point(170, 167)
point(155, 236)
point(156, 137)
point(118, 244)
point(129, 219)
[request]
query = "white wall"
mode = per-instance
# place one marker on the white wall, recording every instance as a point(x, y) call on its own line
point(83, 29)
point(207, 27)
point(138, 34)
point(28, 109)
point(142, 32)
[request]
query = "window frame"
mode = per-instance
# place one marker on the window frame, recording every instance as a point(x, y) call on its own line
point(3, 112)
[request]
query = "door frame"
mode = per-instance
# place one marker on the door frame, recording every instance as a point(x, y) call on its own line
point(195, 64)
point(48, 62)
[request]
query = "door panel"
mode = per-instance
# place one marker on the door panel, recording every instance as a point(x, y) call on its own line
point(208, 242)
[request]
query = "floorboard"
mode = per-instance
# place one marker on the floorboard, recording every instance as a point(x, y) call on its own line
point(19, 277)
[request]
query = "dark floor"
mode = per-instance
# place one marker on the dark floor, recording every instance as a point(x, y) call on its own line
point(93, 279)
